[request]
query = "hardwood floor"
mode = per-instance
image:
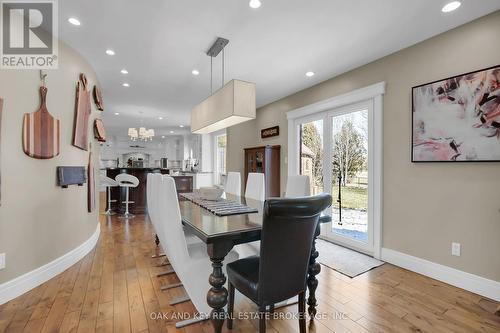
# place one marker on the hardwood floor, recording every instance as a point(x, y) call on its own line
point(115, 289)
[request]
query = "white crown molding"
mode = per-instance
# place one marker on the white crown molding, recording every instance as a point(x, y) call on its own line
point(351, 97)
point(473, 283)
point(20, 285)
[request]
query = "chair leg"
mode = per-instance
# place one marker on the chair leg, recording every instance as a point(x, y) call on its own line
point(302, 312)
point(262, 320)
point(230, 306)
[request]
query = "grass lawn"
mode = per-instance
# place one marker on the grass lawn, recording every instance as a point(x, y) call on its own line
point(352, 197)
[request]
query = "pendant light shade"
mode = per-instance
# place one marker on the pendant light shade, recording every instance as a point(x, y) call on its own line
point(234, 103)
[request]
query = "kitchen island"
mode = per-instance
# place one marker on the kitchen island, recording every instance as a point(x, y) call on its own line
point(184, 183)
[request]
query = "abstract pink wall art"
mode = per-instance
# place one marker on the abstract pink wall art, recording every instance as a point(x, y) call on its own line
point(457, 119)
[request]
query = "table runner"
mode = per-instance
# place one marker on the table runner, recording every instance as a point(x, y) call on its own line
point(220, 207)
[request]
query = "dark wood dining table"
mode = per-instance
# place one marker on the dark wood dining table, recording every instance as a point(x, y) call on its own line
point(221, 234)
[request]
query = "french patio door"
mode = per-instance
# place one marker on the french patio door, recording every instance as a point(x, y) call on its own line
point(335, 151)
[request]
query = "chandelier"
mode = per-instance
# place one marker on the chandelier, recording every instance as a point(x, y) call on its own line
point(141, 134)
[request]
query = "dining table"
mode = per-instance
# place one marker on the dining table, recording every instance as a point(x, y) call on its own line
point(222, 233)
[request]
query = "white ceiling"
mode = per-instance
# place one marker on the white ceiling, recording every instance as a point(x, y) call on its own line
point(160, 41)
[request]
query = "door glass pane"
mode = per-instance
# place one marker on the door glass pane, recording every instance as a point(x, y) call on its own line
point(220, 156)
point(259, 162)
point(350, 175)
point(311, 154)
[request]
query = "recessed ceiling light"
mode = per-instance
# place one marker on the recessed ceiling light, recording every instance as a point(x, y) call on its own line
point(195, 72)
point(126, 85)
point(254, 4)
point(160, 118)
point(110, 52)
point(163, 136)
point(309, 74)
point(181, 126)
point(117, 113)
point(124, 71)
point(171, 132)
point(451, 6)
point(74, 21)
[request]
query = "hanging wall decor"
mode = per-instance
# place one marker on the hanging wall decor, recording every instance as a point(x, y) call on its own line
point(98, 99)
point(71, 175)
point(99, 131)
point(41, 131)
point(1, 106)
point(90, 184)
point(458, 119)
point(270, 132)
point(82, 114)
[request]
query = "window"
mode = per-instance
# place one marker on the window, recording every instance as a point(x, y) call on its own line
point(220, 158)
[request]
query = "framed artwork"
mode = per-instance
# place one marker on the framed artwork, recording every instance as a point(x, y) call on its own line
point(457, 119)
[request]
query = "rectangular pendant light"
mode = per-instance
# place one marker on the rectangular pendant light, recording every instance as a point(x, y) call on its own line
point(233, 104)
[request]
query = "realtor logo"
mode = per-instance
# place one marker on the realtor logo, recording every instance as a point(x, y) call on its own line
point(28, 34)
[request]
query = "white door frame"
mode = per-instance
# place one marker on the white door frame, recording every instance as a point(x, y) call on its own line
point(371, 94)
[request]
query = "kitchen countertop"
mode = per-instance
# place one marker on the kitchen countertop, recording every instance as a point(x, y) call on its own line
point(181, 173)
point(184, 183)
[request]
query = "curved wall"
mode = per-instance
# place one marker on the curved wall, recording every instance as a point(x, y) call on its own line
point(39, 221)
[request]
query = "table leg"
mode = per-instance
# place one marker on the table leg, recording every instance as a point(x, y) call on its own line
point(217, 295)
point(313, 270)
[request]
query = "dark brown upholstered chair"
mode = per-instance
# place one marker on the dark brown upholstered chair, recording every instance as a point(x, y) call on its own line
point(280, 272)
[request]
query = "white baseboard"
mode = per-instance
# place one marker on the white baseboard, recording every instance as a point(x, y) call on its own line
point(473, 283)
point(18, 286)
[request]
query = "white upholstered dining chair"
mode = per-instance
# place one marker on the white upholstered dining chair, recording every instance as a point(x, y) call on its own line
point(255, 191)
point(256, 186)
point(297, 186)
point(233, 183)
point(191, 263)
point(154, 201)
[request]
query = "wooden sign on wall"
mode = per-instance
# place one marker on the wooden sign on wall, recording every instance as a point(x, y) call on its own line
point(270, 132)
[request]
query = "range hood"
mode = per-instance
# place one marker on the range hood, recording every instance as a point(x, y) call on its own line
point(233, 104)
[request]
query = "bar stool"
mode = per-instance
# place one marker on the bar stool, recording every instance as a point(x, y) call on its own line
point(108, 183)
point(127, 181)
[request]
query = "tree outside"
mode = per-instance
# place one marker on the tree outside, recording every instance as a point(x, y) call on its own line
point(349, 153)
point(349, 159)
point(312, 140)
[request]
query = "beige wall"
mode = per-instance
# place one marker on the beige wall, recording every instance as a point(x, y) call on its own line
point(39, 221)
point(425, 206)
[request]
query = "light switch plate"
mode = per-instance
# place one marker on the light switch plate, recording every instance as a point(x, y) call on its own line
point(455, 249)
point(2, 260)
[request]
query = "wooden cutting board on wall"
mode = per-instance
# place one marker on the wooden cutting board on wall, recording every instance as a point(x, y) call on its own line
point(99, 131)
point(82, 114)
point(90, 185)
point(41, 131)
point(98, 99)
point(1, 106)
